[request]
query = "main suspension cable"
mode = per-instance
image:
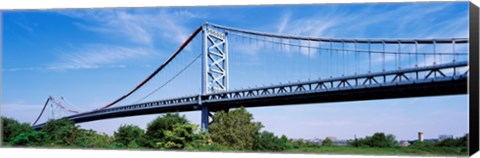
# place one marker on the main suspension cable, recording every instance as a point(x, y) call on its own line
point(157, 70)
point(41, 113)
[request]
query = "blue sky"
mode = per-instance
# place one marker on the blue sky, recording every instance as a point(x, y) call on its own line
point(93, 56)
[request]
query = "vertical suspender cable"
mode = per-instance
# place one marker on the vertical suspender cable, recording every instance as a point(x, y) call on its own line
point(425, 58)
point(343, 56)
point(440, 57)
point(399, 55)
point(409, 59)
point(454, 54)
point(356, 57)
point(369, 58)
point(434, 53)
point(416, 53)
point(331, 60)
point(308, 60)
point(383, 56)
point(320, 57)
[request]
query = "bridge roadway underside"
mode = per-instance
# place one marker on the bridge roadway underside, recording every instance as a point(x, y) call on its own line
point(402, 91)
point(451, 87)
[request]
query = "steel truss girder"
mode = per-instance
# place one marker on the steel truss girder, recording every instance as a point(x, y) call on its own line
point(388, 78)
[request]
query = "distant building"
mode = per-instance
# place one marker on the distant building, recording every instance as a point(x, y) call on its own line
point(443, 137)
point(316, 141)
point(332, 138)
point(298, 140)
point(432, 140)
point(420, 136)
point(404, 143)
point(340, 142)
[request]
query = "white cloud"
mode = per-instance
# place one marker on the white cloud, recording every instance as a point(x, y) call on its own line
point(311, 26)
point(62, 68)
point(137, 27)
point(98, 56)
point(283, 22)
point(92, 57)
point(25, 27)
point(141, 28)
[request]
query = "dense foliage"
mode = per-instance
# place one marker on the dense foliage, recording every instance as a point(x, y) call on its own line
point(235, 129)
point(11, 128)
point(379, 140)
point(171, 131)
point(327, 142)
point(230, 131)
point(56, 133)
point(450, 145)
point(129, 135)
point(267, 141)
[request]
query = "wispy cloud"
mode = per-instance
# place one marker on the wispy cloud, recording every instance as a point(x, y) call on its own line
point(60, 68)
point(409, 21)
point(311, 26)
point(138, 27)
point(139, 31)
point(96, 56)
point(91, 57)
point(25, 27)
point(283, 22)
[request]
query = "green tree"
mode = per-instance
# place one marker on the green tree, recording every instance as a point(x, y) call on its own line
point(91, 139)
point(327, 142)
point(178, 137)
point(64, 132)
point(267, 141)
point(286, 143)
point(202, 141)
point(298, 144)
point(170, 131)
point(461, 143)
point(100, 141)
point(12, 128)
point(30, 138)
point(235, 129)
point(129, 134)
point(383, 141)
point(453, 142)
point(379, 140)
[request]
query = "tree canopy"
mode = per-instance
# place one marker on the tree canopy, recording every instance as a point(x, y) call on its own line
point(327, 142)
point(379, 140)
point(235, 129)
point(170, 131)
point(129, 135)
point(12, 128)
point(267, 141)
point(232, 131)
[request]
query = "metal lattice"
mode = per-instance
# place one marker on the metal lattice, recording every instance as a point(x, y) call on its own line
point(215, 61)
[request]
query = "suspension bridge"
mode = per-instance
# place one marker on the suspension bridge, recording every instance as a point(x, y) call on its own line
point(292, 70)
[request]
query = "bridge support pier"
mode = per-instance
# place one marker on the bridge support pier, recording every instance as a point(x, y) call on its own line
point(205, 120)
